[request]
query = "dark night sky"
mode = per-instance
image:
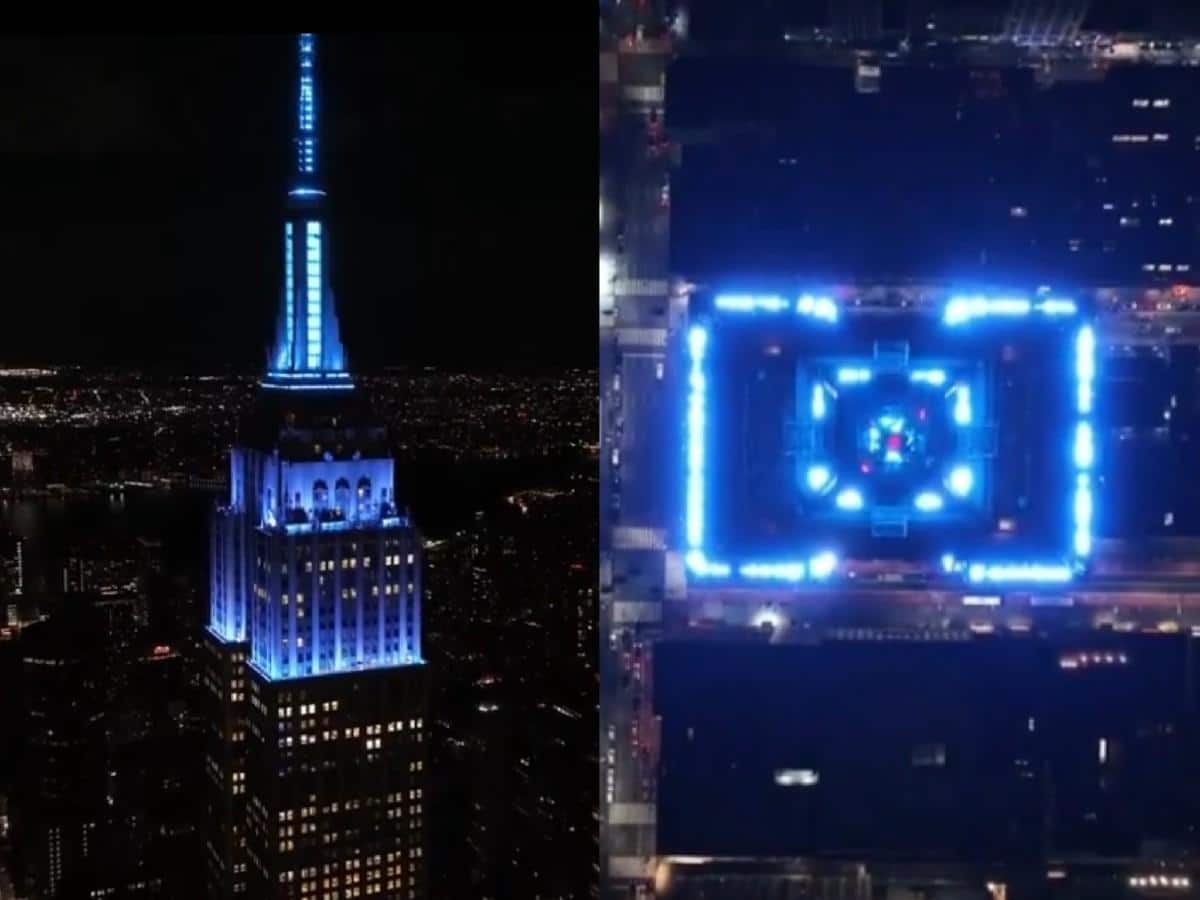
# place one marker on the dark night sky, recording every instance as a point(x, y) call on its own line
point(143, 183)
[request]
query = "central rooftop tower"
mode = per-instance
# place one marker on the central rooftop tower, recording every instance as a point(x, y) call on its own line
point(307, 351)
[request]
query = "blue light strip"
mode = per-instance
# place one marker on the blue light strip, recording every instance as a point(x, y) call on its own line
point(312, 255)
point(744, 303)
point(853, 376)
point(1034, 573)
point(818, 402)
point(275, 386)
point(1084, 450)
point(306, 108)
point(934, 377)
point(1083, 515)
point(311, 376)
point(345, 525)
point(962, 309)
point(700, 565)
point(1085, 369)
point(289, 298)
point(962, 405)
point(822, 309)
point(306, 192)
point(697, 345)
point(1085, 447)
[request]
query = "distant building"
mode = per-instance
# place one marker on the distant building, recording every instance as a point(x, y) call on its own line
point(61, 792)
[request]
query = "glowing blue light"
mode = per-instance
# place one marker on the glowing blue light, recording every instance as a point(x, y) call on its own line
point(1008, 306)
point(1085, 368)
point(818, 402)
point(312, 250)
point(1052, 306)
point(306, 387)
point(1083, 515)
point(306, 192)
point(701, 566)
point(1084, 397)
point(822, 565)
point(818, 478)
point(745, 303)
point(962, 405)
point(1085, 448)
point(928, 501)
point(960, 310)
point(821, 308)
point(697, 343)
point(853, 376)
point(289, 290)
point(1038, 573)
point(310, 376)
point(935, 377)
point(948, 562)
point(961, 480)
point(782, 571)
point(850, 499)
point(306, 109)
point(1085, 354)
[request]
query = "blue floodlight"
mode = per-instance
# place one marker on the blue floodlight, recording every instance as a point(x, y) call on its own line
point(697, 343)
point(849, 499)
point(818, 402)
point(822, 565)
point(745, 303)
point(820, 308)
point(853, 375)
point(962, 405)
point(819, 478)
point(928, 501)
point(960, 480)
point(1085, 448)
point(935, 377)
point(948, 562)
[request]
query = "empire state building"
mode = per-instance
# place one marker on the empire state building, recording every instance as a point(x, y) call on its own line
point(318, 746)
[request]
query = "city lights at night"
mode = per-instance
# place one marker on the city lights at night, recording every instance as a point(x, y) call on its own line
point(298, 582)
point(899, 399)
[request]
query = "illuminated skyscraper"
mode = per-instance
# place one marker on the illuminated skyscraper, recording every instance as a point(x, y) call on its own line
point(318, 753)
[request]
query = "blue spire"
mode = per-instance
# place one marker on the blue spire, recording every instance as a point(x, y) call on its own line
point(306, 109)
point(308, 352)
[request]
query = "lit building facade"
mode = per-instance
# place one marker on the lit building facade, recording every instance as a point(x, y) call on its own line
point(318, 755)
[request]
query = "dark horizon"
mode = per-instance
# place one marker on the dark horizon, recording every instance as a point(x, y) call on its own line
point(145, 179)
